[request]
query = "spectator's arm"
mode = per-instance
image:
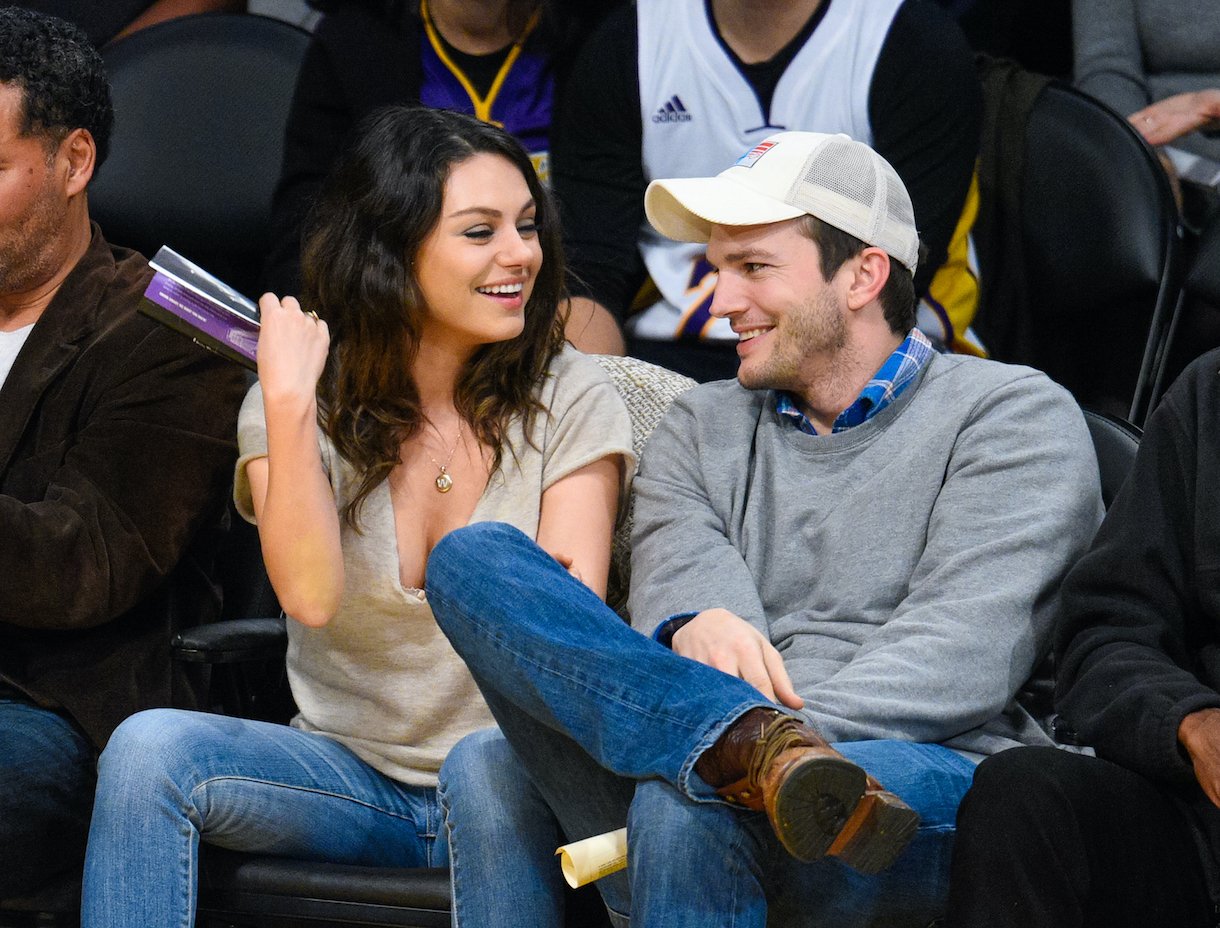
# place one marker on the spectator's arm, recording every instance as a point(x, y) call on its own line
point(592, 328)
point(151, 461)
point(319, 124)
point(1108, 58)
point(597, 169)
point(926, 109)
point(1166, 120)
point(681, 557)
point(1132, 635)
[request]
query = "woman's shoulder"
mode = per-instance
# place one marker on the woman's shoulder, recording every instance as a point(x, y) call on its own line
point(580, 399)
point(571, 374)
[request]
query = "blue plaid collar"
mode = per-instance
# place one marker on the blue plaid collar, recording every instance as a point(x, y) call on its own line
point(894, 376)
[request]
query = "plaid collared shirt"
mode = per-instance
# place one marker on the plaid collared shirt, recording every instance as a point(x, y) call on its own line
point(894, 376)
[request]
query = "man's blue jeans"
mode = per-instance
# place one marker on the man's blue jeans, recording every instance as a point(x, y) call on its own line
point(169, 777)
point(609, 725)
point(46, 791)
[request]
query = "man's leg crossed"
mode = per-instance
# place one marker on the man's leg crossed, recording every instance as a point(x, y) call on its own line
point(551, 648)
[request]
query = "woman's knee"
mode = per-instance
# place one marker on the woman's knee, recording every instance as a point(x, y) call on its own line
point(162, 746)
point(142, 738)
point(483, 777)
point(474, 763)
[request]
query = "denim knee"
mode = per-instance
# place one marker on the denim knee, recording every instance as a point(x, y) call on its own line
point(157, 750)
point(478, 771)
point(465, 553)
point(484, 783)
point(470, 544)
point(142, 739)
point(664, 824)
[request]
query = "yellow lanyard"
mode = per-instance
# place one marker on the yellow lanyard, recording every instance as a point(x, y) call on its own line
point(482, 105)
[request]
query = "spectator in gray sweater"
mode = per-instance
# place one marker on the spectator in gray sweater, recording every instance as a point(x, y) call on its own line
point(1157, 62)
point(844, 566)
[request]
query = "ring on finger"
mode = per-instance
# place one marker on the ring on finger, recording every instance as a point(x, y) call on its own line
point(313, 315)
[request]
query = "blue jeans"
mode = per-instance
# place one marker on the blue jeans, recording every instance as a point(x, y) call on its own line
point(46, 791)
point(169, 778)
point(609, 725)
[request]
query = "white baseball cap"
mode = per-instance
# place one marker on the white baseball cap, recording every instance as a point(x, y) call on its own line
point(833, 177)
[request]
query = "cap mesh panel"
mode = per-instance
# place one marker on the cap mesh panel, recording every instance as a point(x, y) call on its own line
point(843, 184)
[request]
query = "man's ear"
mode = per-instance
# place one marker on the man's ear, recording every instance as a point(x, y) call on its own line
point(871, 271)
point(80, 152)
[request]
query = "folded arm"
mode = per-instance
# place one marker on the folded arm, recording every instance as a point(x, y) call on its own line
point(1109, 56)
point(1169, 119)
point(148, 465)
point(577, 520)
point(1136, 632)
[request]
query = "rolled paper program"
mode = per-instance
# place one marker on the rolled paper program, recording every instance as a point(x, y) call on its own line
point(593, 858)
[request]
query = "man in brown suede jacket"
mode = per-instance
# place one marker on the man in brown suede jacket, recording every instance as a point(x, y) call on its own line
point(116, 449)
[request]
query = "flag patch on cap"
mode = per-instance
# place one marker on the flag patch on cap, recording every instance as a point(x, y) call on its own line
point(751, 157)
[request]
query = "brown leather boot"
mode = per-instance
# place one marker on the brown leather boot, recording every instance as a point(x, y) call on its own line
point(817, 801)
point(876, 832)
point(768, 760)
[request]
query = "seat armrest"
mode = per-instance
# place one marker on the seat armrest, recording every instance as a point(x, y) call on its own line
point(232, 642)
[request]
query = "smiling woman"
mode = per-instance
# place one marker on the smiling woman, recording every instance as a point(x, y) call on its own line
point(480, 261)
point(426, 386)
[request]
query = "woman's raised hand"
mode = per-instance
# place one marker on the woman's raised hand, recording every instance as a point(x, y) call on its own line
point(292, 346)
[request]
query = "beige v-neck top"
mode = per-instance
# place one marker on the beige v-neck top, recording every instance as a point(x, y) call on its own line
point(380, 677)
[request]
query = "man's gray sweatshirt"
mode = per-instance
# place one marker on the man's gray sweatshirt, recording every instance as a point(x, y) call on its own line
point(907, 569)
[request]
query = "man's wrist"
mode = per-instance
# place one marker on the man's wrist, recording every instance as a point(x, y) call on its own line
point(1197, 726)
point(665, 632)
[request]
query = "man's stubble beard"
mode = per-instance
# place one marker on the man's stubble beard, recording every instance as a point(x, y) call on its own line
point(816, 328)
point(28, 253)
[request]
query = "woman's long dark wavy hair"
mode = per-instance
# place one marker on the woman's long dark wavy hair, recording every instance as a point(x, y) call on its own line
point(374, 211)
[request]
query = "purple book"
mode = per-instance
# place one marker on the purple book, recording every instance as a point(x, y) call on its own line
point(185, 297)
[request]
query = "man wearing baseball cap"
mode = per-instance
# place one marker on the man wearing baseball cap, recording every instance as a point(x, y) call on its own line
point(846, 561)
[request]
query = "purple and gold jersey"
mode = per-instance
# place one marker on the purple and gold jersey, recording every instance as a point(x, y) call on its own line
point(519, 100)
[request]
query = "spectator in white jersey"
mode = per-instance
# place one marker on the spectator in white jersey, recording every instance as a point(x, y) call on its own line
point(679, 88)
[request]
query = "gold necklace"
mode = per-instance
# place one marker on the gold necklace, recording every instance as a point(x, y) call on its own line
point(444, 482)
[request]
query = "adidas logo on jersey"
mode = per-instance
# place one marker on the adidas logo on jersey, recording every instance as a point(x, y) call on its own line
point(672, 111)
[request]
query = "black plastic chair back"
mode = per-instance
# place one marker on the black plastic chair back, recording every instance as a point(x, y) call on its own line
point(1195, 325)
point(1102, 240)
point(1116, 442)
point(200, 105)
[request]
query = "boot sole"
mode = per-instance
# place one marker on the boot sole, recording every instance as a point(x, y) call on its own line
point(813, 802)
point(876, 832)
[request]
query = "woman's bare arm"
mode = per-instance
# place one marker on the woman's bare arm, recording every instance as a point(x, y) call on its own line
point(298, 523)
point(577, 520)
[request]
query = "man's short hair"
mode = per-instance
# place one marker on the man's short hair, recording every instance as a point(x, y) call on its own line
point(897, 297)
point(61, 76)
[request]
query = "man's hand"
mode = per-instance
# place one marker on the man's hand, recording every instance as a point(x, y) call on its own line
point(1199, 733)
point(720, 639)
